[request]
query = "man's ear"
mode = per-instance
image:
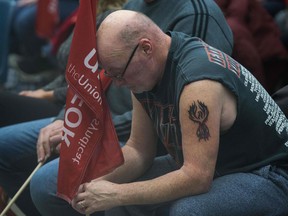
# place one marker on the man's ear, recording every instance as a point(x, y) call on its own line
point(146, 46)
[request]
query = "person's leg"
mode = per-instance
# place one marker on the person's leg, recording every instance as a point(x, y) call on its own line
point(45, 198)
point(18, 158)
point(24, 29)
point(263, 192)
point(24, 24)
point(13, 39)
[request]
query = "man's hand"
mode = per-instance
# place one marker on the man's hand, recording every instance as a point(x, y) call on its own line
point(49, 139)
point(39, 93)
point(95, 196)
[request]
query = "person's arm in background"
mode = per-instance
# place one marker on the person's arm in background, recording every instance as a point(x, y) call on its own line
point(56, 88)
point(49, 92)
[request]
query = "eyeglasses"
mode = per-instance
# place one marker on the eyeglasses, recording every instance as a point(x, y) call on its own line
point(121, 75)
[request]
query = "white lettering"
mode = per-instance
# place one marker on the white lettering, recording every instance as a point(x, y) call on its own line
point(72, 122)
point(84, 140)
point(88, 58)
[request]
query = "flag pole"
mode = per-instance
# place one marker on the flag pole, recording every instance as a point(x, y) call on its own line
point(21, 189)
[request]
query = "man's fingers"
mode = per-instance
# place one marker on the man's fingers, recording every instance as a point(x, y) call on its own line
point(43, 147)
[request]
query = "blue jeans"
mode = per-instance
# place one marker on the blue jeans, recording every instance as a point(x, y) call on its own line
point(18, 158)
point(261, 192)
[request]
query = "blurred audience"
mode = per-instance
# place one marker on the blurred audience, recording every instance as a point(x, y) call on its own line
point(257, 43)
point(278, 9)
point(274, 6)
point(281, 20)
point(44, 102)
point(24, 40)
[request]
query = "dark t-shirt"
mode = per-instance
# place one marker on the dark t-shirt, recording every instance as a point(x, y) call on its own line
point(259, 133)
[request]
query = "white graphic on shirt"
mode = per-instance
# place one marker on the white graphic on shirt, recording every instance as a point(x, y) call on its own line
point(274, 114)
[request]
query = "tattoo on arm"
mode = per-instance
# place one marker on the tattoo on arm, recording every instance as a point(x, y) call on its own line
point(198, 113)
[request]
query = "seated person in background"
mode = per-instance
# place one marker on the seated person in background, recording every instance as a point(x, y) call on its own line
point(204, 106)
point(32, 104)
point(24, 40)
point(257, 44)
point(40, 103)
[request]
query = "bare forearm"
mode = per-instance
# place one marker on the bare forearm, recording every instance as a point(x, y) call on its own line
point(168, 187)
point(132, 168)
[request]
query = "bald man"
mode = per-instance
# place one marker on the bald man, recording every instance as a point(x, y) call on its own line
point(227, 139)
point(199, 18)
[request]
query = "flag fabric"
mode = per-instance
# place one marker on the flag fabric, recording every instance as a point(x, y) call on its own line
point(47, 18)
point(63, 32)
point(90, 146)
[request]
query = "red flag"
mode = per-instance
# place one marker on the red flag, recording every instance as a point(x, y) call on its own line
point(63, 32)
point(90, 147)
point(47, 18)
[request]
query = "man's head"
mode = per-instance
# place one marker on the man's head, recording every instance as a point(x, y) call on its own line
point(132, 50)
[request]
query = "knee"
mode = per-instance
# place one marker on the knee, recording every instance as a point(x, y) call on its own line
point(188, 206)
point(23, 29)
point(24, 23)
point(178, 209)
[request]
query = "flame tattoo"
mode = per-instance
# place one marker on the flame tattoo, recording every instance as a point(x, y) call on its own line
point(198, 113)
